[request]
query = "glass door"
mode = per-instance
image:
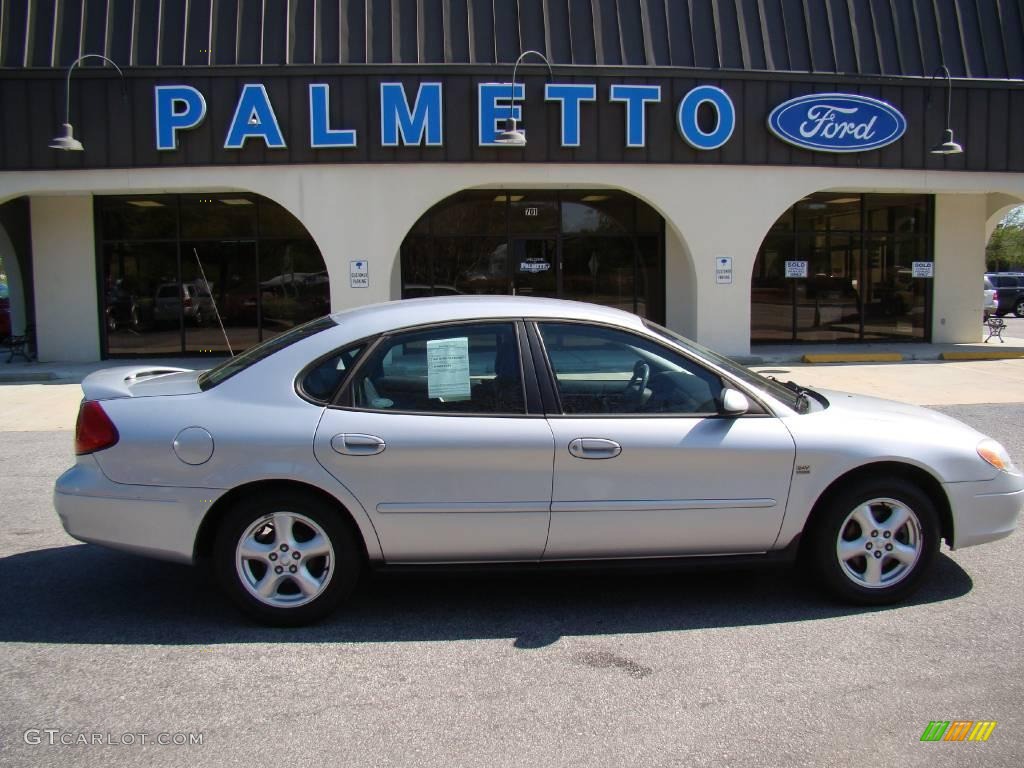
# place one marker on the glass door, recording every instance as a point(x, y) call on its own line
point(534, 266)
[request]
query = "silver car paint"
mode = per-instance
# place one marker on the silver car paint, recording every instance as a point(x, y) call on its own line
point(263, 430)
point(448, 488)
point(673, 489)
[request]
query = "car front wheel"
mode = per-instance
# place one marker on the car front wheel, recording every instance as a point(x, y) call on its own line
point(1019, 309)
point(286, 559)
point(874, 543)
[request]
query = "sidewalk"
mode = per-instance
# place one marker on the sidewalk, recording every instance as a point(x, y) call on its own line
point(794, 353)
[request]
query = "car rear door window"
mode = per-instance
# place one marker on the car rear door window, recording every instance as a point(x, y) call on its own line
point(452, 369)
point(600, 370)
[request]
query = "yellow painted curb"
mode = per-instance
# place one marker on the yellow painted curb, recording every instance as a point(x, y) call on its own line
point(993, 355)
point(854, 357)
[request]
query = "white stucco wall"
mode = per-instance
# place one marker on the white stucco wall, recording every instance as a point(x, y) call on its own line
point(960, 237)
point(364, 212)
point(64, 259)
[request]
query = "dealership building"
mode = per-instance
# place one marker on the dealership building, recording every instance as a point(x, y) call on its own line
point(745, 172)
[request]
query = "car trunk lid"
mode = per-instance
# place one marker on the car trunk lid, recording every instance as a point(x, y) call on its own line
point(140, 381)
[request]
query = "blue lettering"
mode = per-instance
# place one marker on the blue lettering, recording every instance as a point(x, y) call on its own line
point(254, 119)
point(686, 118)
point(636, 97)
point(421, 122)
point(178, 108)
point(491, 112)
point(321, 135)
point(570, 95)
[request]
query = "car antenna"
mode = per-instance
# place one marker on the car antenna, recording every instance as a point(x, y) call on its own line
point(214, 300)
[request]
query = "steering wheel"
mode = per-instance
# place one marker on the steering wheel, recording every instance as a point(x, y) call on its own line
point(634, 391)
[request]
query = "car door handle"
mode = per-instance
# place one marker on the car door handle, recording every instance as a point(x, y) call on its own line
point(357, 445)
point(594, 448)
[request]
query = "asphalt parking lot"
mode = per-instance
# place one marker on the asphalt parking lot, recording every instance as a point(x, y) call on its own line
point(746, 667)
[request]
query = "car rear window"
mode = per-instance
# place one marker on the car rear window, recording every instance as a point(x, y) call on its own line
point(253, 355)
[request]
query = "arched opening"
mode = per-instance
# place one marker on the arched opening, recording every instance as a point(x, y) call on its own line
point(603, 246)
point(191, 273)
point(1004, 251)
point(16, 300)
point(841, 266)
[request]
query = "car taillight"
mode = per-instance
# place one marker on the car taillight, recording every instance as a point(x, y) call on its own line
point(94, 430)
point(995, 296)
point(187, 301)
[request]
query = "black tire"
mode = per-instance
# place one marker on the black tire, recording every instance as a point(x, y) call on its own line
point(1018, 308)
point(848, 579)
point(197, 319)
point(238, 576)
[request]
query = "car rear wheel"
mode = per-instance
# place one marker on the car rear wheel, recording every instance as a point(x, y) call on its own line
point(286, 558)
point(874, 542)
point(1018, 310)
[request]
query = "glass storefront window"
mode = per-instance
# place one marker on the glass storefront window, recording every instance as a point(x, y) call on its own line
point(583, 245)
point(166, 296)
point(139, 218)
point(899, 214)
point(293, 287)
point(478, 212)
point(276, 222)
point(533, 213)
point(212, 217)
point(219, 278)
point(859, 283)
point(138, 318)
point(597, 212)
point(469, 265)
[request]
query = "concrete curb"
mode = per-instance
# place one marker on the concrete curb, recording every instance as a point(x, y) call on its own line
point(853, 357)
point(1000, 355)
point(28, 377)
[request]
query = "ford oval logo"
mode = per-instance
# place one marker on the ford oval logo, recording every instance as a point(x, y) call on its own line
point(837, 122)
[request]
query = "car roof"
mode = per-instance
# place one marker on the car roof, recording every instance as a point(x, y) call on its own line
point(377, 318)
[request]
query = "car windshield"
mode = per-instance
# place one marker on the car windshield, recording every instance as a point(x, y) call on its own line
point(788, 395)
point(253, 355)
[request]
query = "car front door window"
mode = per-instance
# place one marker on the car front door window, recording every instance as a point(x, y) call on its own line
point(604, 371)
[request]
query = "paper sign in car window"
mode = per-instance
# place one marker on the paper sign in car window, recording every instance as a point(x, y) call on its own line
point(448, 369)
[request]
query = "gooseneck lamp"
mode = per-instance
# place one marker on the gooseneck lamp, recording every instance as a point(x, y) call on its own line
point(513, 136)
point(947, 146)
point(66, 141)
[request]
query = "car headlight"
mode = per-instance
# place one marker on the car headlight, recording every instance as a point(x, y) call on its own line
point(993, 453)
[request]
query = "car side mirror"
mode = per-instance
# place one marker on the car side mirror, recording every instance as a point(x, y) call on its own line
point(734, 403)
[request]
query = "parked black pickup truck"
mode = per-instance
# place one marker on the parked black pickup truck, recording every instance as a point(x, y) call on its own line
point(1010, 289)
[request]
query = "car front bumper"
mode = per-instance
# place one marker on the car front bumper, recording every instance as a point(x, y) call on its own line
point(985, 511)
point(146, 520)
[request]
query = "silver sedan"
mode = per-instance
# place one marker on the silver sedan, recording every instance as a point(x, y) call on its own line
point(497, 430)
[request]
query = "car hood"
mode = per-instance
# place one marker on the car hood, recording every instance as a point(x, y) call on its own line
point(879, 411)
point(140, 381)
point(856, 430)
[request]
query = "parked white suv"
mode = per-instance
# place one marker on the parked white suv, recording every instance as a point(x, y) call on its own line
point(991, 300)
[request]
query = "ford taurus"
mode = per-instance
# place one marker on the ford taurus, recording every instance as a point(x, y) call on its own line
point(487, 430)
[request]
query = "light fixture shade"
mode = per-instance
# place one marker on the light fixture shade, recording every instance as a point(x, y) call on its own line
point(947, 146)
point(67, 141)
point(511, 136)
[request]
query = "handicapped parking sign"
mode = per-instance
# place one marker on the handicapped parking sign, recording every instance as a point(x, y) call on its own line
point(723, 270)
point(359, 274)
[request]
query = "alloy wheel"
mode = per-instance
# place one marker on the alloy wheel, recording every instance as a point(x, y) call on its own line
point(879, 544)
point(284, 559)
